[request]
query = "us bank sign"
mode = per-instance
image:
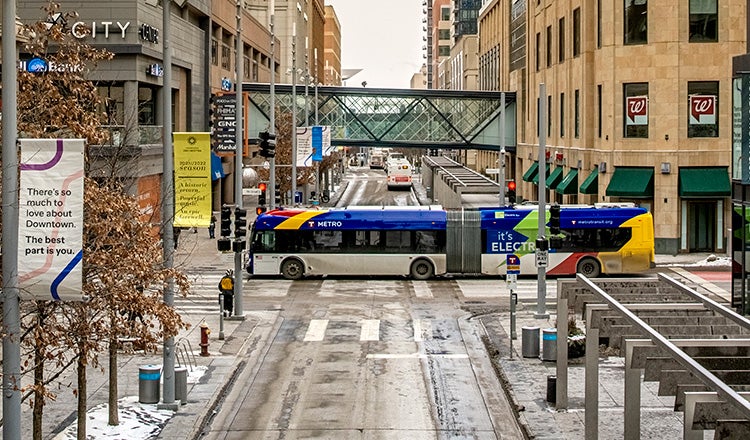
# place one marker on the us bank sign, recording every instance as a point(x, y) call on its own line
point(106, 29)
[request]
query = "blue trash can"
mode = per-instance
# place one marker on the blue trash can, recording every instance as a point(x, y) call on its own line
point(148, 383)
point(297, 197)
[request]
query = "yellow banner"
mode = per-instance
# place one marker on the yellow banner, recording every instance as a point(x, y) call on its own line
point(192, 179)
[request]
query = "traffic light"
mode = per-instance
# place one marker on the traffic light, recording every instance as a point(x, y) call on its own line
point(226, 221)
point(512, 192)
point(267, 144)
point(240, 222)
point(554, 219)
point(224, 244)
point(261, 208)
point(277, 197)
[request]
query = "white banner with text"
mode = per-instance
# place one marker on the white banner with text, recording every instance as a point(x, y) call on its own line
point(50, 223)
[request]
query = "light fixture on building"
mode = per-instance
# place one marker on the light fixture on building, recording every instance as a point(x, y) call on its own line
point(602, 167)
point(666, 167)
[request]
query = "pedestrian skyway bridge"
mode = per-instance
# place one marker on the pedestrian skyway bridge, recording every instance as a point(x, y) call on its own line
point(369, 117)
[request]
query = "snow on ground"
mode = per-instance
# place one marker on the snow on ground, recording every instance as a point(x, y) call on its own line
point(137, 420)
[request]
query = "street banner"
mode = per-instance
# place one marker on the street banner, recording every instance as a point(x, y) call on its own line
point(307, 152)
point(317, 143)
point(192, 179)
point(50, 221)
point(304, 147)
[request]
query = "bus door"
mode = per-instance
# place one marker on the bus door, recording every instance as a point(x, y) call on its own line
point(464, 242)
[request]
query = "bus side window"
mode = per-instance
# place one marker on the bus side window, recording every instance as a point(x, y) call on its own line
point(264, 242)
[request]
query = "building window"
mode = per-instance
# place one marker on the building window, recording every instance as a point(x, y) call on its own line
point(445, 13)
point(538, 49)
point(576, 32)
point(636, 21)
point(562, 114)
point(226, 57)
point(246, 67)
point(444, 34)
point(577, 114)
point(703, 103)
point(598, 24)
point(113, 103)
point(599, 109)
point(255, 71)
point(635, 110)
point(549, 46)
point(561, 40)
point(444, 51)
point(549, 116)
point(146, 105)
point(214, 52)
point(704, 20)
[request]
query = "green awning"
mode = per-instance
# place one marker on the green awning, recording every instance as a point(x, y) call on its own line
point(591, 184)
point(569, 184)
point(554, 178)
point(535, 179)
point(531, 172)
point(635, 182)
point(704, 182)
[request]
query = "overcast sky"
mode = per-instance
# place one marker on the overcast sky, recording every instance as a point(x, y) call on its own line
point(383, 38)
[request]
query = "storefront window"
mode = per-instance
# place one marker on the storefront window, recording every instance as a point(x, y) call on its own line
point(703, 115)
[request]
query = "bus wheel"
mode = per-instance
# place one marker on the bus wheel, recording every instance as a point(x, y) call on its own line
point(292, 269)
point(589, 267)
point(422, 270)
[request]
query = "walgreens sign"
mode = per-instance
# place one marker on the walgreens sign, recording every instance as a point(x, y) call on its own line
point(636, 109)
point(702, 109)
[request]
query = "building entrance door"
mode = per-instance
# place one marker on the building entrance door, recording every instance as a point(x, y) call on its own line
point(702, 226)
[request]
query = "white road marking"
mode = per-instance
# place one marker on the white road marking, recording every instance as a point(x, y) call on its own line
point(422, 330)
point(417, 356)
point(316, 331)
point(421, 290)
point(370, 330)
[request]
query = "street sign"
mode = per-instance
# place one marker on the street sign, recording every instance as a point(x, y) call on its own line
point(512, 264)
point(541, 258)
point(250, 191)
point(491, 170)
point(512, 280)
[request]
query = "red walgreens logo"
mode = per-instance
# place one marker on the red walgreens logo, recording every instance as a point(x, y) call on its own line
point(703, 109)
point(637, 109)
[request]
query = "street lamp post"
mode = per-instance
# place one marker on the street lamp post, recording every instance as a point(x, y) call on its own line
point(239, 59)
point(272, 111)
point(294, 112)
point(11, 325)
point(168, 400)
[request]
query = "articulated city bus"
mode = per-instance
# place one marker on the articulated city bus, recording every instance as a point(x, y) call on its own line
point(422, 242)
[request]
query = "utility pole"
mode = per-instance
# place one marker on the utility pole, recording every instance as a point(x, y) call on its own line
point(541, 293)
point(272, 111)
point(239, 140)
point(11, 325)
point(167, 211)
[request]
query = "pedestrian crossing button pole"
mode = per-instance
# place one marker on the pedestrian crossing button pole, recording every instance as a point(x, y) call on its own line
point(512, 269)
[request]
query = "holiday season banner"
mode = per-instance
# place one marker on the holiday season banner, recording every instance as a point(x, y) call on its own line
point(50, 221)
point(192, 179)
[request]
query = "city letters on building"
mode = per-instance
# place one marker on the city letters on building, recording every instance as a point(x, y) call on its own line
point(81, 29)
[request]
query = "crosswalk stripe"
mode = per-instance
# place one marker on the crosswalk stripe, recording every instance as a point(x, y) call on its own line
point(316, 331)
point(370, 330)
point(421, 290)
point(422, 328)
